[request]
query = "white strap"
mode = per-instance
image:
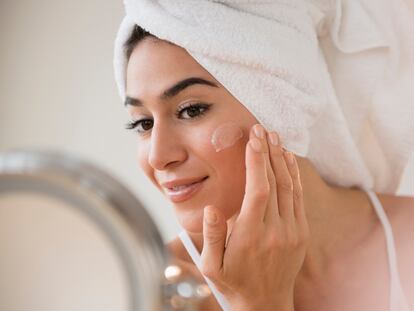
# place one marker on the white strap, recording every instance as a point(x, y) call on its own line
point(397, 297)
point(195, 256)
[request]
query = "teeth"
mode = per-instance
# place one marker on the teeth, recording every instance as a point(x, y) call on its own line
point(179, 187)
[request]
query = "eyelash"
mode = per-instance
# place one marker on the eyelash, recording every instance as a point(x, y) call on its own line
point(203, 108)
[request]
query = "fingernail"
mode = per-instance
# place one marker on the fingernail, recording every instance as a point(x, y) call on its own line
point(211, 217)
point(255, 144)
point(259, 131)
point(274, 139)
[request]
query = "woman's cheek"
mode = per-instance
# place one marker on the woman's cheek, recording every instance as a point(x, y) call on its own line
point(216, 137)
point(228, 145)
point(226, 136)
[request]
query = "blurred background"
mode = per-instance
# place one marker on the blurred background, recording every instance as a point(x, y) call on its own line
point(57, 91)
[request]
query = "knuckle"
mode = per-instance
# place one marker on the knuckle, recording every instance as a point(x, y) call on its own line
point(292, 239)
point(213, 238)
point(278, 151)
point(294, 242)
point(303, 238)
point(272, 180)
point(262, 193)
point(297, 194)
point(274, 239)
point(285, 186)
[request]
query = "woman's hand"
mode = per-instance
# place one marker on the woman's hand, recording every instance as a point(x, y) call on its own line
point(257, 268)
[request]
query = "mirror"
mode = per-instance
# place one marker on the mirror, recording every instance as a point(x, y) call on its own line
point(74, 238)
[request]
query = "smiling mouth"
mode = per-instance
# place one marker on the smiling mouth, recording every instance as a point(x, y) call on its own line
point(185, 192)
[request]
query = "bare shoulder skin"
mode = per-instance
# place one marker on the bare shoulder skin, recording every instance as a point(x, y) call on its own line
point(358, 279)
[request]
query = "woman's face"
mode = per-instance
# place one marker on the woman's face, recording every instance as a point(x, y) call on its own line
point(175, 140)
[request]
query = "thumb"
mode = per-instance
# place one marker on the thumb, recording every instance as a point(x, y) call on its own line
point(214, 240)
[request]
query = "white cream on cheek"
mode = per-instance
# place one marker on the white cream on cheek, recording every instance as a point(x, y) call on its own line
point(226, 136)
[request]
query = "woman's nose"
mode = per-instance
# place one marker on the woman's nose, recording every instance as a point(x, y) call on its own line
point(166, 149)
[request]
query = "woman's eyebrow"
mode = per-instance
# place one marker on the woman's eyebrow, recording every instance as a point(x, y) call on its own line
point(172, 91)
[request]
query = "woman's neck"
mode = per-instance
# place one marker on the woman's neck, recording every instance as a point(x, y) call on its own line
point(338, 218)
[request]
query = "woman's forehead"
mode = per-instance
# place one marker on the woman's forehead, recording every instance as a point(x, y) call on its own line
point(153, 67)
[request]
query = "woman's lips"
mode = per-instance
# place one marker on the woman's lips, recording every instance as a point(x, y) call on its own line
point(185, 192)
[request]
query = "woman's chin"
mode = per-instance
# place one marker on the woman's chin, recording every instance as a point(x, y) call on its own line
point(192, 219)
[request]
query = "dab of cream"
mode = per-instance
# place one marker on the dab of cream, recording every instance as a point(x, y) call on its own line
point(226, 136)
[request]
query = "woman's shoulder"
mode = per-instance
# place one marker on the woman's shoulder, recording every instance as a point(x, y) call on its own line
point(401, 201)
point(400, 212)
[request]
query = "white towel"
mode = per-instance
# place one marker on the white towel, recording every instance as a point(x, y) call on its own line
point(322, 73)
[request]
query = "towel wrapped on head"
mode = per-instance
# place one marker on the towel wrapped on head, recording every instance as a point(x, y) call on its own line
point(289, 63)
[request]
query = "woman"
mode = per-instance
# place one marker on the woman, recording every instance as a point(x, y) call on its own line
point(270, 238)
point(345, 266)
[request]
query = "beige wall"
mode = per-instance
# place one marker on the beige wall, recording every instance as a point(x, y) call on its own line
point(57, 89)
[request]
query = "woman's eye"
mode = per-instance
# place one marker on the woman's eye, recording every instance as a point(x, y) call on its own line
point(140, 126)
point(192, 111)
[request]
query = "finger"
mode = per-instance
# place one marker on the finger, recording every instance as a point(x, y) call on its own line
point(214, 239)
point(257, 185)
point(272, 210)
point(298, 205)
point(284, 183)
